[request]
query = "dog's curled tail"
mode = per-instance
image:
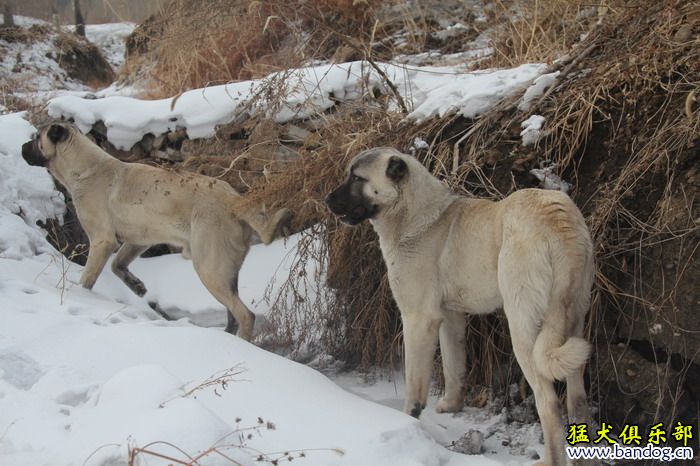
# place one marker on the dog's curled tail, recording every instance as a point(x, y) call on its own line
point(557, 361)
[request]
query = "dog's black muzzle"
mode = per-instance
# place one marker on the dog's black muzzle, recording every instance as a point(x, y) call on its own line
point(32, 154)
point(350, 208)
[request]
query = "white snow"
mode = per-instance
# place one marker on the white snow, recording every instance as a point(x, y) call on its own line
point(531, 129)
point(26, 21)
point(83, 376)
point(429, 91)
point(419, 143)
point(450, 31)
point(33, 66)
point(539, 85)
point(550, 180)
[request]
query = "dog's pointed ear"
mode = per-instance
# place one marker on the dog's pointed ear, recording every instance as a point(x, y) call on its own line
point(57, 133)
point(396, 169)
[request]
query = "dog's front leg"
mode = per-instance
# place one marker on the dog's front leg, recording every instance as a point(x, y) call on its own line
point(454, 361)
point(100, 251)
point(420, 335)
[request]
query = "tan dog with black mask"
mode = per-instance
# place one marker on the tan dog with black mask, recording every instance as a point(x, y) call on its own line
point(139, 206)
point(448, 256)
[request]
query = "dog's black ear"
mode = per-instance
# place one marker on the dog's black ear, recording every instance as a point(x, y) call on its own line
point(57, 133)
point(396, 169)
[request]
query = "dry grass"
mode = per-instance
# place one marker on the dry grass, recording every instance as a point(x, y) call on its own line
point(537, 31)
point(240, 40)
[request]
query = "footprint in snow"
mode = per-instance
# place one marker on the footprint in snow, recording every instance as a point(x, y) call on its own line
point(19, 369)
point(76, 395)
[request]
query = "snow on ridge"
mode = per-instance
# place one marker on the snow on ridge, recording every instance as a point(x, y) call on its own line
point(27, 193)
point(539, 85)
point(26, 21)
point(429, 92)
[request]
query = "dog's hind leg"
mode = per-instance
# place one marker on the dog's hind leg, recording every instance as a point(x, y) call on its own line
point(226, 292)
point(100, 250)
point(525, 287)
point(231, 324)
point(120, 266)
point(546, 400)
point(576, 400)
point(217, 257)
point(454, 361)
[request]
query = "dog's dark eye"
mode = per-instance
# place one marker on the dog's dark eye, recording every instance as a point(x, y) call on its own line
point(355, 178)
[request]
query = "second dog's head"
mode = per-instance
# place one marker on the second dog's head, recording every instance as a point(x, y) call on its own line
point(44, 146)
point(373, 183)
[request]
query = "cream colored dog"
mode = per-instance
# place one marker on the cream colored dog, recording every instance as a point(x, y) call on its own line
point(139, 206)
point(448, 255)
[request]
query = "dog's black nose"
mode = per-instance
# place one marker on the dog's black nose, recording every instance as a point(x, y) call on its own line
point(32, 155)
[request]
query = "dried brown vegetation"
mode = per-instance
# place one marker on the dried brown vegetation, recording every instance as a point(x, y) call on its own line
point(215, 41)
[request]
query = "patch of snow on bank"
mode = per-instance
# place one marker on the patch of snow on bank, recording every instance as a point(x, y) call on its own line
point(428, 91)
point(32, 66)
point(26, 21)
point(531, 129)
point(536, 90)
point(550, 180)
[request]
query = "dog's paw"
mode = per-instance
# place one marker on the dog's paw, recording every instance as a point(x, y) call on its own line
point(448, 406)
point(136, 286)
point(413, 409)
point(231, 327)
point(140, 289)
point(154, 305)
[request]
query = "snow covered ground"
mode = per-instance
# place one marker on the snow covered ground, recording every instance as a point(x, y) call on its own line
point(85, 378)
point(89, 375)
